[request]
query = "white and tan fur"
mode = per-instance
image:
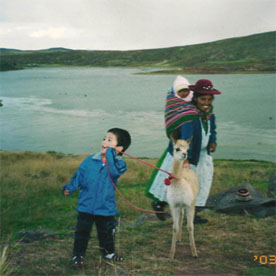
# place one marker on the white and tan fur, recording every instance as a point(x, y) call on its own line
point(181, 195)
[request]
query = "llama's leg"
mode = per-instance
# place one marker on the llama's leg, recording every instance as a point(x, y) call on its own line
point(190, 227)
point(180, 225)
point(175, 211)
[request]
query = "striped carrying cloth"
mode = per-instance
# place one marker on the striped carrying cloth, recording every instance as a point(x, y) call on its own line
point(178, 112)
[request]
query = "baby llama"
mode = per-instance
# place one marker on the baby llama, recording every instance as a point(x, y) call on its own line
point(181, 195)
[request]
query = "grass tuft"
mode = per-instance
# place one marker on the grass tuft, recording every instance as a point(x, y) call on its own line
point(5, 268)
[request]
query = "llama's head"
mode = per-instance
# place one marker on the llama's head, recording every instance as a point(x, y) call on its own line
point(180, 149)
point(180, 146)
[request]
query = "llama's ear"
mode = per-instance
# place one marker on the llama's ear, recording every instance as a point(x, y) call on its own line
point(189, 140)
point(175, 135)
point(172, 139)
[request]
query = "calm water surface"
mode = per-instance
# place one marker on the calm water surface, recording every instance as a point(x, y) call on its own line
point(69, 110)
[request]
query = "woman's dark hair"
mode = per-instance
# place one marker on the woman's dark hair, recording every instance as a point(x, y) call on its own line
point(123, 137)
point(196, 95)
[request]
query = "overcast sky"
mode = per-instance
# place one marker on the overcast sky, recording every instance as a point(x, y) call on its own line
point(129, 24)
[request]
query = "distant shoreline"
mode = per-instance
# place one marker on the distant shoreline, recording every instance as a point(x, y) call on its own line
point(205, 72)
point(154, 72)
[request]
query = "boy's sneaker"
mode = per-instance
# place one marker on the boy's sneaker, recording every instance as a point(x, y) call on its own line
point(113, 257)
point(77, 261)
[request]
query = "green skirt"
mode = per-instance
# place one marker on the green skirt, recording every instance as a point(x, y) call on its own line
point(156, 189)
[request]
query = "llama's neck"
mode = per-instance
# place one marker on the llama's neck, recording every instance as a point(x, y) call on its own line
point(177, 168)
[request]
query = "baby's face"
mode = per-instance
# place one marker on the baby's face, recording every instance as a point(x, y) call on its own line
point(109, 141)
point(183, 93)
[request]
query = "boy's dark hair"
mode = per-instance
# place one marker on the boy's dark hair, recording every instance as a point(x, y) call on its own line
point(123, 137)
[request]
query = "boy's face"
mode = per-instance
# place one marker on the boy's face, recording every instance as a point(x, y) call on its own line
point(110, 141)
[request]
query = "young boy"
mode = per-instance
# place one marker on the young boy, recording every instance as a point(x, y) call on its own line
point(97, 195)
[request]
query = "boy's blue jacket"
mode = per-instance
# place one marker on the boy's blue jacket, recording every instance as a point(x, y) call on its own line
point(97, 194)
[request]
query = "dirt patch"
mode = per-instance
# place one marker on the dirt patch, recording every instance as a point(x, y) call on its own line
point(35, 235)
point(186, 265)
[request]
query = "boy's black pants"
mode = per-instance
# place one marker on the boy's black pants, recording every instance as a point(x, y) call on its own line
point(105, 229)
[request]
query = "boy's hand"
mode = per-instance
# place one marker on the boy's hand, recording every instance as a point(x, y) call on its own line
point(66, 192)
point(104, 150)
point(119, 149)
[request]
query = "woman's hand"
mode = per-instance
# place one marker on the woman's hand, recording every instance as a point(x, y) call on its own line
point(66, 192)
point(212, 147)
point(186, 164)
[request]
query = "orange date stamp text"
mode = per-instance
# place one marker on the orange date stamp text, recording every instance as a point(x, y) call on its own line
point(265, 259)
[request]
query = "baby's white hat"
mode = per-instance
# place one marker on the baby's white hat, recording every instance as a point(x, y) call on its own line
point(180, 83)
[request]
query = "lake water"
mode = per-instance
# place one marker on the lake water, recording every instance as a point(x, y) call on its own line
point(69, 110)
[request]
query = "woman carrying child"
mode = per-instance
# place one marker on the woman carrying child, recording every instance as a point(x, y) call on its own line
point(190, 119)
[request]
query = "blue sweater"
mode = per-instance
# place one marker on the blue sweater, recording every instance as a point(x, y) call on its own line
point(97, 194)
point(194, 129)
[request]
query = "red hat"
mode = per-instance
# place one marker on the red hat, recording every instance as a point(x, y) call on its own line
point(204, 86)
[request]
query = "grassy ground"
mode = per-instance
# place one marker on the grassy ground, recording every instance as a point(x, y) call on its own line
point(31, 199)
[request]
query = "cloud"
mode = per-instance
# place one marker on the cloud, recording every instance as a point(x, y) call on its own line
point(50, 32)
point(125, 24)
point(54, 33)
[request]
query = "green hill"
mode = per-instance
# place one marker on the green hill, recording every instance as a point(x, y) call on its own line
point(254, 53)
